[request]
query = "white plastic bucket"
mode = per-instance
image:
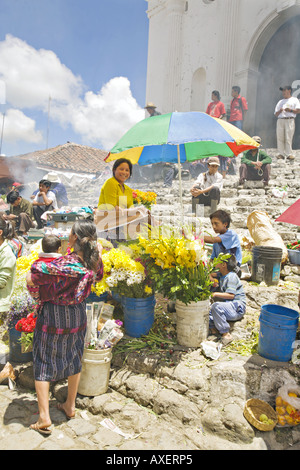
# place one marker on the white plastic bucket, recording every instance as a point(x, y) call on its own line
point(95, 372)
point(192, 322)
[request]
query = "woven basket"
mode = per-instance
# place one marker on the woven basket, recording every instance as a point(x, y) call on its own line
point(254, 408)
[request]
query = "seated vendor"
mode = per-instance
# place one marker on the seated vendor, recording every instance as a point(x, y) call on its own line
point(255, 165)
point(207, 188)
point(44, 200)
point(21, 212)
point(116, 195)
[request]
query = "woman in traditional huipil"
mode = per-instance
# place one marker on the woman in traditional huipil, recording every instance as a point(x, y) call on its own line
point(58, 342)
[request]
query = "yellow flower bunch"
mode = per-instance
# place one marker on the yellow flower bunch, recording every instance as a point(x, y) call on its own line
point(24, 262)
point(116, 259)
point(147, 198)
point(170, 252)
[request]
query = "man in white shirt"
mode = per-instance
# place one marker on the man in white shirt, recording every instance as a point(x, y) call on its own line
point(207, 188)
point(45, 200)
point(286, 111)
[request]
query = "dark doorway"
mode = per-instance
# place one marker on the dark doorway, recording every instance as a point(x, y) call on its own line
point(279, 66)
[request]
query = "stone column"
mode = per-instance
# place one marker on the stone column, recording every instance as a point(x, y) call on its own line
point(172, 84)
point(228, 47)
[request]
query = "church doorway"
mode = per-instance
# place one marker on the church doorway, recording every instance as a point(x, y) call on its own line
point(279, 66)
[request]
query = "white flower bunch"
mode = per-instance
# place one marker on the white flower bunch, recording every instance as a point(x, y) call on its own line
point(130, 277)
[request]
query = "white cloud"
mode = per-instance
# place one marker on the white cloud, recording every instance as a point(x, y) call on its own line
point(103, 117)
point(32, 75)
point(19, 127)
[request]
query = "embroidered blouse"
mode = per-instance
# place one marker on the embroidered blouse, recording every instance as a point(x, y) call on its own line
point(64, 281)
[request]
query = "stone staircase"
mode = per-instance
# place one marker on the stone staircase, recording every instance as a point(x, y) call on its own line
point(239, 201)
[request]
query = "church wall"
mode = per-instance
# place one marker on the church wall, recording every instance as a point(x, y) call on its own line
point(225, 38)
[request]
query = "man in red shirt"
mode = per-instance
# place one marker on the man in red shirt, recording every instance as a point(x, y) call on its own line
point(238, 108)
point(216, 108)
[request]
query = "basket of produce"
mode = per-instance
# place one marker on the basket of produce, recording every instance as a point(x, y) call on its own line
point(260, 414)
point(288, 405)
point(294, 252)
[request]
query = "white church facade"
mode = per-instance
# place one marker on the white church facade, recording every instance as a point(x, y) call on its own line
point(197, 46)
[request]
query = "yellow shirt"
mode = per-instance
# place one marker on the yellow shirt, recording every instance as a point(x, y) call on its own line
point(112, 195)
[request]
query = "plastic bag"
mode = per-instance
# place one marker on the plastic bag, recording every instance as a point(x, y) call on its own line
point(211, 349)
point(288, 405)
point(280, 193)
point(261, 230)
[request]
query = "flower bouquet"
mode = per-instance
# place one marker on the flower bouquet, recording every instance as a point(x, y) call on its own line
point(21, 301)
point(146, 198)
point(125, 275)
point(27, 326)
point(179, 267)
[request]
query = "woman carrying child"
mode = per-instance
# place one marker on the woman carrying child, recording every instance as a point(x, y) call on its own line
point(58, 342)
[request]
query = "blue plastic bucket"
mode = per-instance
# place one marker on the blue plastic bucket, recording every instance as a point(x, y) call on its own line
point(15, 349)
point(117, 297)
point(97, 298)
point(278, 328)
point(294, 256)
point(138, 315)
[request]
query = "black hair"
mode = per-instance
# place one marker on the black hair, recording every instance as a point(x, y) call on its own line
point(236, 88)
point(217, 94)
point(51, 243)
point(12, 196)
point(231, 263)
point(221, 215)
point(119, 162)
point(45, 183)
point(86, 233)
point(8, 229)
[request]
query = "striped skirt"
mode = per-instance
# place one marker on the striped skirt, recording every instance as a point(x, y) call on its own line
point(58, 341)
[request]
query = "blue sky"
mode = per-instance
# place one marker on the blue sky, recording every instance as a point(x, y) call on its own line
point(89, 56)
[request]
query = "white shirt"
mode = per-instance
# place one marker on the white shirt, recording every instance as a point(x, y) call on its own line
point(211, 180)
point(292, 103)
point(51, 196)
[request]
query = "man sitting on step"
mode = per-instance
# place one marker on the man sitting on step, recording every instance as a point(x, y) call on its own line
point(255, 165)
point(206, 190)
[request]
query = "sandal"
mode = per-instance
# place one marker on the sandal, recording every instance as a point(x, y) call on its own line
point(227, 339)
point(60, 407)
point(41, 429)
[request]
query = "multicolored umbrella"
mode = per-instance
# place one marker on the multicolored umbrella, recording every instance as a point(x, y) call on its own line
point(291, 215)
point(180, 137)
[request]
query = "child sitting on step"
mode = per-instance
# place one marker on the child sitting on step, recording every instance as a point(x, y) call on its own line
point(227, 240)
point(230, 303)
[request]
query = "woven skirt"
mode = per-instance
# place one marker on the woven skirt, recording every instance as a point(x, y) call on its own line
point(58, 341)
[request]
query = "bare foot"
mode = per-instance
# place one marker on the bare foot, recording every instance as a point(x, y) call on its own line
point(70, 414)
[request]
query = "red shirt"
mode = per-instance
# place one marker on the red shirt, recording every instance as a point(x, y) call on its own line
point(236, 113)
point(216, 109)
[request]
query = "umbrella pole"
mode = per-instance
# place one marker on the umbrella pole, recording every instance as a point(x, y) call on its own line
point(180, 183)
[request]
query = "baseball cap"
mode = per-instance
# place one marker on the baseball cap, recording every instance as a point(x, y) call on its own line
point(213, 161)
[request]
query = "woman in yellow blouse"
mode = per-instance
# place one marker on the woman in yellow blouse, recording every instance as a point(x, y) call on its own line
point(115, 194)
point(115, 198)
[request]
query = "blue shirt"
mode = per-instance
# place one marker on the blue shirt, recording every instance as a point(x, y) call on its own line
point(230, 244)
point(231, 284)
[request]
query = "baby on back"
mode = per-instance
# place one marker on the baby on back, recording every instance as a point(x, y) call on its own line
point(51, 246)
